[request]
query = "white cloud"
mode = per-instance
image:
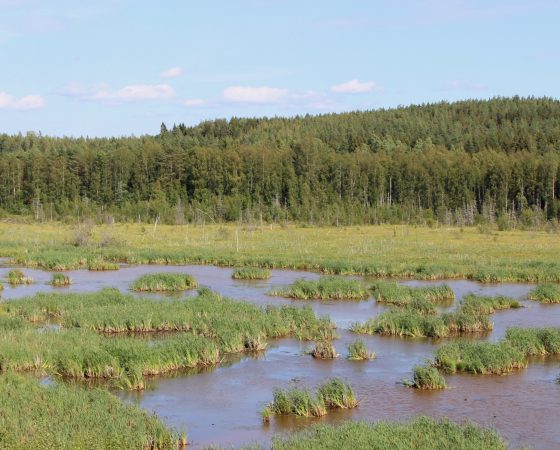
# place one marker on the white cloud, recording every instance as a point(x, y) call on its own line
point(248, 94)
point(21, 104)
point(193, 102)
point(131, 93)
point(173, 72)
point(356, 87)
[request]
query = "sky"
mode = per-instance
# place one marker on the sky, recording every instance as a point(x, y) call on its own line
point(122, 67)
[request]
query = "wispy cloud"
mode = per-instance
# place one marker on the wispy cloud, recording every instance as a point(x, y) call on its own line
point(29, 102)
point(249, 94)
point(356, 87)
point(130, 93)
point(173, 72)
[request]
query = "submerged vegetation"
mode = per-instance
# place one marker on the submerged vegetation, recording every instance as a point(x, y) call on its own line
point(422, 433)
point(16, 276)
point(251, 273)
point(333, 394)
point(325, 288)
point(62, 416)
point(59, 279)
point(164, 282)
point(357, 350)
point(546, 293)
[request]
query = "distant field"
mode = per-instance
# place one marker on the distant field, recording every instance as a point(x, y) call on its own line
point(381, 251)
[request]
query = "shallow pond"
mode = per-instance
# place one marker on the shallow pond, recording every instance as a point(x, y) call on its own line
point(221, 406)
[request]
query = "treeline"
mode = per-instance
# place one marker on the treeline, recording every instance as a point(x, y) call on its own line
point(463, 163)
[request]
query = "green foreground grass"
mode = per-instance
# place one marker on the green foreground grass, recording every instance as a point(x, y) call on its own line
point(422, 433)
point(379, 251)
point(201, 330)
point(61, 416)
point(546, 293)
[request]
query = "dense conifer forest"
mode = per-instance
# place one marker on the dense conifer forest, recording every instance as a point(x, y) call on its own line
point(463, 163)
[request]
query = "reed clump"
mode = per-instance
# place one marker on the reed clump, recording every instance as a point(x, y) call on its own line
point(426, 378)
point(358, 351)
point(251, 273)
point(325, 288)
point(546, 293)
point(60, 280)
point(164, 282)
point(16, 276)
point(422, 433)
point(63, 416)
point(333, 394)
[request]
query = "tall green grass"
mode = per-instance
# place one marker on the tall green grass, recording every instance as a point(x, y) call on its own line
point(479, 357)
point(16, 276)
point(546, 293)
point(98, 265)
point(411, 323)
point(324, 349)
point(251, 273)
point(422, 433)
point(206, 328)
point(427, 378)
point(72, 418)
point(333, 288)
point(475, 304)
point(333, 394)
point(400, 295)
point(164, 282)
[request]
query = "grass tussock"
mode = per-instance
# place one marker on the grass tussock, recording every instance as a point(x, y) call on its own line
point(480, 357)
point(427, 378)
point(399, 295)
point(546, 293)
point(68, 417)
point(484, 305)
point(411, 323)
point(422, 433)
point(251, 273)
point(334, 394)
point(102, 265)
point(324, 350)
point(325, 288)
point(16, 276)
point(164, 282)
point(60, 280)
point(358, 351)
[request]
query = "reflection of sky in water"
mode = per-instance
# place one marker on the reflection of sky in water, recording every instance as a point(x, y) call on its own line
point(221, 405)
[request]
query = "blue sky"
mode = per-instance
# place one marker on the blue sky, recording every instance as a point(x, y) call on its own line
point(122, 67)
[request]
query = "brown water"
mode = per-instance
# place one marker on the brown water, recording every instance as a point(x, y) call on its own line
point(221, 406)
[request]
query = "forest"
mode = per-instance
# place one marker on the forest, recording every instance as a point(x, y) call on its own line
point(471, 162)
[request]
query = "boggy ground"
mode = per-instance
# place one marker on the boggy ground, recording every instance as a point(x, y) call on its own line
point(221, 406)
point(381, 251)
